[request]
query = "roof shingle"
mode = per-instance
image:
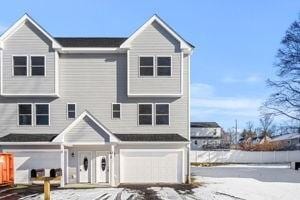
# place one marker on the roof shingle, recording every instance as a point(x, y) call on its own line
point(151, 137)
point(16, 137)
point(90, 41)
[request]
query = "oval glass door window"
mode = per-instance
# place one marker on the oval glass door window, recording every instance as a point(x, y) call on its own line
point(103, 163)
point(85, 163)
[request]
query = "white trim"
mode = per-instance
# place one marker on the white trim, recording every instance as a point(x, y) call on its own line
point(139, 66)
point(181, 72)
point(67, 109)
point(20, 23)
point(154, 95)
point(128, 75)
point(169, 114)
point(91, 50)
point(151, 150)
point(183, 43)
point(13, 65)
point(30, 65)
point(32, 112)
point(171, 66)
point(31, 150)
point(56, 73)
point(154, 142)
point(36, 114)
point(112, 111)
point(60, 137)
point(1, 70)
point(29, 95)
point(138, 114)
point(70, 144)
point(189, 97)
point(62, 166)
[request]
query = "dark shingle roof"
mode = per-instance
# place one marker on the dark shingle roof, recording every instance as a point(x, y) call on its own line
point(13, 137)
point(151, 138)
point(205, 124)
point(90, 41)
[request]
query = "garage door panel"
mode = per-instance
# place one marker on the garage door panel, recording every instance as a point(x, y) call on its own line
point(25, 161)
point(151, 166)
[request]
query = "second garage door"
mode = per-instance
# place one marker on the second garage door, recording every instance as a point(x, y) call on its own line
point(151, 166)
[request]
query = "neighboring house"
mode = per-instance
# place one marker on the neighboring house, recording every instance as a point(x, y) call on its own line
point(104, 110)
point(290, 141)
point(207, 135)
point(258, 140)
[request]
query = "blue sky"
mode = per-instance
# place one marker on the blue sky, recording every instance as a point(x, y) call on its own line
point(236, 42)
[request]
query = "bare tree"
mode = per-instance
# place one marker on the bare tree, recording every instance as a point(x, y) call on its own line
point(286, 98)
point(266, 124)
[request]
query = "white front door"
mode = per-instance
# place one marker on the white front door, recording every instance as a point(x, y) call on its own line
point(102, 166)
point(84, 166)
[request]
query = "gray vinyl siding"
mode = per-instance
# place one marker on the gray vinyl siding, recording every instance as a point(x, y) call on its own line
point(154, 41)
point(28, 40)
point(86, 131)
point(93, 82)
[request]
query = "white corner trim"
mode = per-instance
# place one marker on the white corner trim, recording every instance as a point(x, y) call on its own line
point(128, 74)
point(21, 22)
point(56, 73)
point(183, 43)
point(154, 95)
point(91, 50)
point(28, 95)
point(60, 137)
point(1, 71)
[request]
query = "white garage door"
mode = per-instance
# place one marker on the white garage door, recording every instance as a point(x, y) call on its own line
point(25, 161)
point(151, 166)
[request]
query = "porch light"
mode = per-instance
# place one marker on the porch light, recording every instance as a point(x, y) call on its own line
point(73, 154)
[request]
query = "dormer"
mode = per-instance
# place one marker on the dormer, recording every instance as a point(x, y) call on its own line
point(157, 58)
point(29, 61)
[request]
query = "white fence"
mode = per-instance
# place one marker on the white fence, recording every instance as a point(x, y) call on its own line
point(236, 156)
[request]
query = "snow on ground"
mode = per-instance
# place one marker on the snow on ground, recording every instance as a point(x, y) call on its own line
point(230, 182)
point(242, 182)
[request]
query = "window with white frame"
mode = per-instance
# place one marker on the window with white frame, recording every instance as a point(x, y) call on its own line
point(71, 110)
point(163, 64)
point(37, 65)
point(146, 65)
point(162, 114)
point(25, 114)
point(145, 114)
point(116, 110)
point(42, 114)
point(20, 65)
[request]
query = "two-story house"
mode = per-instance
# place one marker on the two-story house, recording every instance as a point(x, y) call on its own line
point(208, 135)
point(104, 110)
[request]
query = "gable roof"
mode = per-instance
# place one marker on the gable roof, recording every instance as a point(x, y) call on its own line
point(151, 137)
point(17, 137)
point(183, 44)
point(205, 124)
point(26, 18)
point(90, 41)
point(60, 137)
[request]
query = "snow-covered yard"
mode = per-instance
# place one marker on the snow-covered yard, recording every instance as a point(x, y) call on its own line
point(228, 182)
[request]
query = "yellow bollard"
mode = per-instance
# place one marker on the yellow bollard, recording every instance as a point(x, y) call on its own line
point(47, 189)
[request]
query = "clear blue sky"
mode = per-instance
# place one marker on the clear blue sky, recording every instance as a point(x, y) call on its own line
point(236, 42)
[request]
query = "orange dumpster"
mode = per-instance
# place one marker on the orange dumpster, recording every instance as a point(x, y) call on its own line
point(6, 169)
